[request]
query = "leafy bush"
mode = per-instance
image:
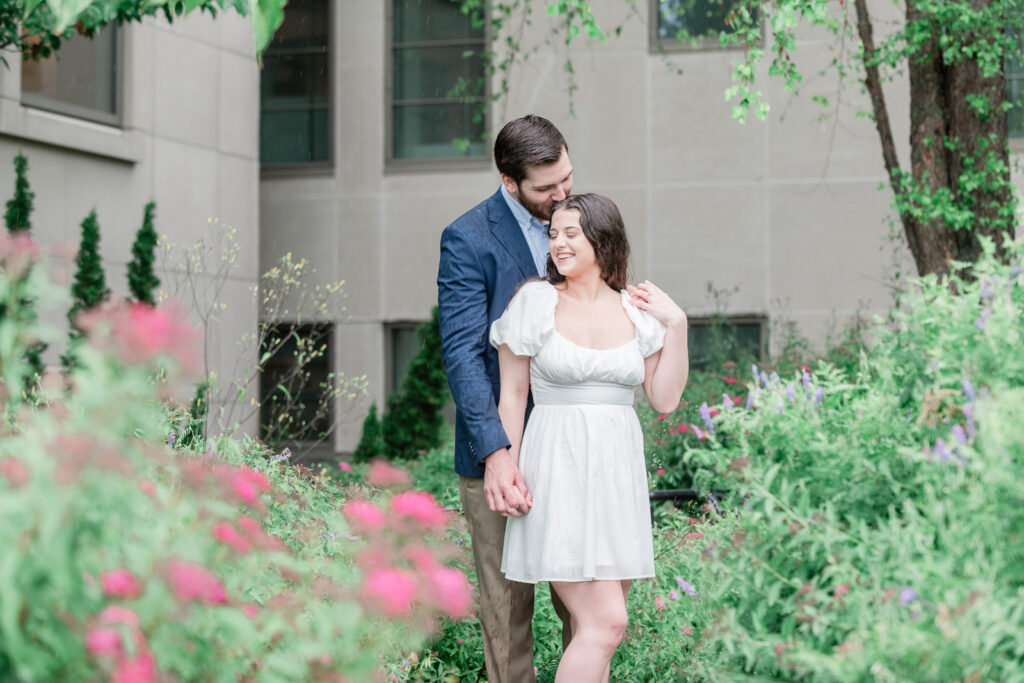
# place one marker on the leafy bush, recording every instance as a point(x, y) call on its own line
point(131, 560)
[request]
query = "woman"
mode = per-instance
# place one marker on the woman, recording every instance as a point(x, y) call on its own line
point(584, 340)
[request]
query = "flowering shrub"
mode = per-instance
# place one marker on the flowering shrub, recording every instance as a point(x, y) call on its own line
point(128, 559)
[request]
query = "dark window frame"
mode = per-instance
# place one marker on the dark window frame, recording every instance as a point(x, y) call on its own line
point(658, 45)
point(304, 168)
point(393, 383)
point(329, 331)
point(453, 163)
point(739, 319)
point(115, 119)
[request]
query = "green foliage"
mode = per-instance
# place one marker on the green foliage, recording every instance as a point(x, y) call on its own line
point(122, 551)
point(413, 421)
point(89, 288)
point(371, 445)
point(142, 281)
point(19, 207)
point(38, 27)
point(193, 433)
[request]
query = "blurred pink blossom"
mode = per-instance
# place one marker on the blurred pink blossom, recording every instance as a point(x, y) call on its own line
point(364, 516)
point(139, 333)
point(226, 534)
point(115, 614)
point(121, 583)
point(15, 472)
point(104, 641)
point(138, 669)
point(385, 475)
point(421, 507)
point(192, 582)
point(659, 602)
point(344, 466)
point(450, 591)
point(390, 589)
point(687, 631)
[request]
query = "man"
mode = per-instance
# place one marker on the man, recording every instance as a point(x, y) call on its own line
point(485, 254)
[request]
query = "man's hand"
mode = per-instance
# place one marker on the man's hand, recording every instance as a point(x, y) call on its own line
point(504, 485)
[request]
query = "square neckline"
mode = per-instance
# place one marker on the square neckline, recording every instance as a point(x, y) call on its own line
point(622, 305)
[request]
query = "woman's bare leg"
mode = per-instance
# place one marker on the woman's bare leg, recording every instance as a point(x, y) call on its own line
point(626, 583)
point(598, 610)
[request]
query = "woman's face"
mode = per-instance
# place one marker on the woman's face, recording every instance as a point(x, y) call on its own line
point(571, 251)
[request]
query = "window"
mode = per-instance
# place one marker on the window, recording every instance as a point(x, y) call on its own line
point(714, 341)
point(1015, 88)
point(295, 87)
point(296, 401)
point(437, 90)
point(682, 24)
point(81, 79)
point(403, 345)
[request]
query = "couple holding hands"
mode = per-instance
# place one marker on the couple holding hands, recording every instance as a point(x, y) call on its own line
point(545, 344)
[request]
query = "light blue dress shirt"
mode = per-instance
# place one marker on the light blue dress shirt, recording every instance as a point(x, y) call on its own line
point(535, 232)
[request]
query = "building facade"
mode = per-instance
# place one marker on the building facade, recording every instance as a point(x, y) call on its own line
point(777, 224)
point(149, 111)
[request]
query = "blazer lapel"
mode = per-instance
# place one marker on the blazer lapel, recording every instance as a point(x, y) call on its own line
point(510, 235)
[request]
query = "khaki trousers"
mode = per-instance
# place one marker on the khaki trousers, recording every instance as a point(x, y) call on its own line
point(506, 607)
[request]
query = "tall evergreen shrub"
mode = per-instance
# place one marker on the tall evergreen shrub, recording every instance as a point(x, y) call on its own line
point(19, 207)
point(413, 420)
point(89, 288)
point(17, 218)
point(370, 443)
point(142, 281)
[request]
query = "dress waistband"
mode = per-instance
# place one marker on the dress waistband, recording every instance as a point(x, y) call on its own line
point(584, 393)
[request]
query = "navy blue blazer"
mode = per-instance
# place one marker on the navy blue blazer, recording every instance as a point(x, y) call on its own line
point(484, 257)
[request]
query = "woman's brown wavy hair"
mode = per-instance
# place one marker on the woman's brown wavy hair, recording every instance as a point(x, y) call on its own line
point(603, 227)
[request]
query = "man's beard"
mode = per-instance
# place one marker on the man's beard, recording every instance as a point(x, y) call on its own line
point(541, 212)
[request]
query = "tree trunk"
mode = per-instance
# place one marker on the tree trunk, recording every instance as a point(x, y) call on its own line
point(959, 182)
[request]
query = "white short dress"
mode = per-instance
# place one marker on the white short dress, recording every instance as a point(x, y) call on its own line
point(582, 454)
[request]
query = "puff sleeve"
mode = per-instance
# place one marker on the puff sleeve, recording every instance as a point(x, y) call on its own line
point(650, 334)
point(529, 319)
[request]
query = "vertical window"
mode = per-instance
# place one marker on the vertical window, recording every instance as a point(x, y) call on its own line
point(713, 341)
point(1015, 88)
point(681, 24)
point(295, 87)
point(436, 81)
point(296, 402)
point(81, 79)
point(403, 345)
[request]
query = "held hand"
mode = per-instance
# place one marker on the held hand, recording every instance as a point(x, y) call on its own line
point(649, 297)
point(504, 486)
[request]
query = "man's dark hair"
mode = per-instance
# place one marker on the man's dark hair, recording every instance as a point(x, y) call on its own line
point(526, 142)
point(603, 227)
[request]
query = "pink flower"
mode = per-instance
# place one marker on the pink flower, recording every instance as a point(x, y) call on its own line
point(226, 534)
point(384, 475)
point(104, 641)
point(247, 484)
point(421, 507)
point(672, 431)
point(147, 487)
point(364, 516)
point(15, 472)
point(450, 590)
point(662, 416)
point(344, 466)
point(659, 602)
point(251, 611)
point(422, 558)
point(138, 669)
point(192, 582)
point(693, 535)
point(730, 380)
point(687, 631)
point(115, 614)
point(683, 427)
point(138, 333)
point(390, 589)
point(120, 583)
point(660, 471)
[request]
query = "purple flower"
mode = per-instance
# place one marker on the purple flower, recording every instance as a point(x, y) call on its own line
point(697, 432)
point(750, 400)
point(764, 380)
point(774, 378)
point(958, 434)
point(942, 450)
point(818, 394)
point(755, 371)
point(790, 393)
point(673, 594)
point(705, 414)
point(726, 402)
point(1015, 271)
point(782, 407)
point(171, 438)
point(907, 596)
point(806, 379)
point(686, 587)
point(969, 390)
